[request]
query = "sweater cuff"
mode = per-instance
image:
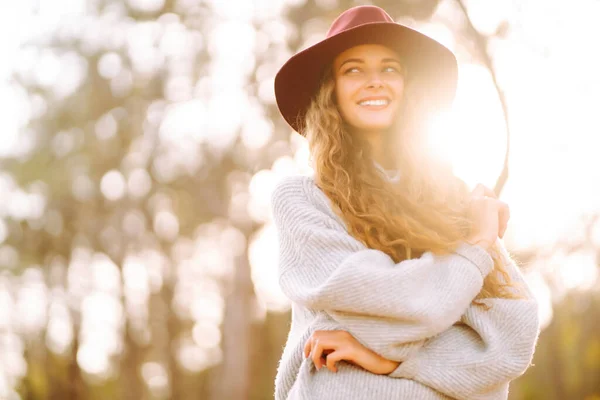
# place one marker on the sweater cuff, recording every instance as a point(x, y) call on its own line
point(407, 369)
point(478, 256)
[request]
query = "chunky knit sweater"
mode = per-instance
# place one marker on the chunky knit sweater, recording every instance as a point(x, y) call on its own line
point(418, 312)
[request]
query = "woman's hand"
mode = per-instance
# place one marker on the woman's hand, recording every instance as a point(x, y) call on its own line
point(328, 347)
point(490, 216)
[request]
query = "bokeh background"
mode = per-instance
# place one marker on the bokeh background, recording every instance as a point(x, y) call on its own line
point(140, 143)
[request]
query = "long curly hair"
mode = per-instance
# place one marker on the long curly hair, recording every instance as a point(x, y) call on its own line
point(426, 210)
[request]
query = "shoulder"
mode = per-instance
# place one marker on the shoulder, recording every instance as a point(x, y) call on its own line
point(294, 186)
point(292, 193)
point(297, 189)
point(298, 197)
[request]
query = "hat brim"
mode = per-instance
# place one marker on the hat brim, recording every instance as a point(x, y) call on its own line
point(432, 67)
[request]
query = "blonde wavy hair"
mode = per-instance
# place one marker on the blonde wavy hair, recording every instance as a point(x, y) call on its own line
point(426, 210)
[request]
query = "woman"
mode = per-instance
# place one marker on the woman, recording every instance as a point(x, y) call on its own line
point(399, 285)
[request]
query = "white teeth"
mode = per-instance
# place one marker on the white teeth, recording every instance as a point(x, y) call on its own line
point(374, 103)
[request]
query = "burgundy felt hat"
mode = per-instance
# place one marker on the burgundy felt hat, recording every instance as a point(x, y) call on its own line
point(431, 66)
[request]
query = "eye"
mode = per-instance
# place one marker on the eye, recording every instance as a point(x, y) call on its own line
point(352, 69)
point(390, 68)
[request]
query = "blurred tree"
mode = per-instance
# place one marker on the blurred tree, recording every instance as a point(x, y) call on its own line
point(109, 193)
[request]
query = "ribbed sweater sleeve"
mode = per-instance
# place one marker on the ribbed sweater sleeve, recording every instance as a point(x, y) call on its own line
point(322, 267)
point(484, 352)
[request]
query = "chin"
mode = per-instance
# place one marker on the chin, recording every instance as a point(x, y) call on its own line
point(370, 124)
point(374, 127)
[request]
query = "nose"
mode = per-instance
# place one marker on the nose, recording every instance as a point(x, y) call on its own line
point(374, 80)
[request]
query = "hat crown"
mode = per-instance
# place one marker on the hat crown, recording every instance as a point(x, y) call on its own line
point(356, 16)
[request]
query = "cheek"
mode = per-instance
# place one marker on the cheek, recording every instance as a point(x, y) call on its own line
point(344, 99)
point(398, 88)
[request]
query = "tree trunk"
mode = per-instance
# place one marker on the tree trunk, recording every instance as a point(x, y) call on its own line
point(232, 378)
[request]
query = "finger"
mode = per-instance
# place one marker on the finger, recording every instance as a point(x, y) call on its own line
point(317, 352)
point(503, 217)
point(332, 358)
point(478, 191)
point(489, 192)
point(307, 347)
point(482, 190)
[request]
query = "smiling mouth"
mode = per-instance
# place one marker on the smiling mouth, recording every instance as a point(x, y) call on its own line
point(374, 104)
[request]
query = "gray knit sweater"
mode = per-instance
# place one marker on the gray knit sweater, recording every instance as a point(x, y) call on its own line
point(418, 312)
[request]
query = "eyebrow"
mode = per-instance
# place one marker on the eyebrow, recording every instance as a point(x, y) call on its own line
point(361, 61)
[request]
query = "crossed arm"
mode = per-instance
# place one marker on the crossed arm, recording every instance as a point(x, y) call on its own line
point(417, 312)
point(485, 350)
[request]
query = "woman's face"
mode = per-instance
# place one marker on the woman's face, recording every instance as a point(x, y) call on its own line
point(369, 83)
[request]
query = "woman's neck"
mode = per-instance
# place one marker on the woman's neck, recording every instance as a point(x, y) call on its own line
point(380, 151)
